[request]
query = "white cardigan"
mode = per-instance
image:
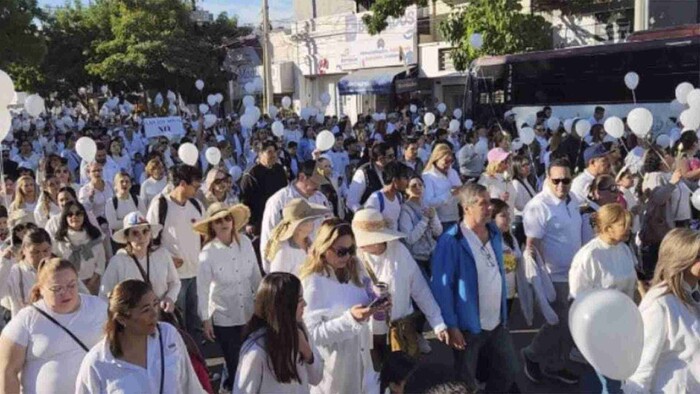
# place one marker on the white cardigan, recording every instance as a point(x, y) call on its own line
point(343, 343)
point(254, 374)
point(670, 360)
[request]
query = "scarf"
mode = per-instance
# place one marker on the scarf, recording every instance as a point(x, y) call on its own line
point(80, 253)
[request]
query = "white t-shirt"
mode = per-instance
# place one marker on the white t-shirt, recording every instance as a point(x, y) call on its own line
point(489, 277)
point(288, 259)
point(53, 358)
point(599, 265)
point(392, 209)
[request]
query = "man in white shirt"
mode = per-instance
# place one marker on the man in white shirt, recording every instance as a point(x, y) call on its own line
point(180, 239)
point(305, 186)
point(109, 167)
point(552, 225)
point(389, 199)
point(597, 163)
point(368, 177)
point(469, 285)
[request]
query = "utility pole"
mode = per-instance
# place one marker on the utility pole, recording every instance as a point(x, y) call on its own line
point(641, 15)
point(267, 67)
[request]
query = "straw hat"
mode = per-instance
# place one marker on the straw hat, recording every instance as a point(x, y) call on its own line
point(217, 210)
point(132, 220)
point(295, 213)
point(370, 228)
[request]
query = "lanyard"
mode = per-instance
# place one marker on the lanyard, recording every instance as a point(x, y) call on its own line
point(146, 275)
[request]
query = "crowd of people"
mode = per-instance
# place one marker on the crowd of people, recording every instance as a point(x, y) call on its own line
point(320, 271)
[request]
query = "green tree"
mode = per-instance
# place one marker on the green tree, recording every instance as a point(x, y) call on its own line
point(22, 45)
point(503, 26)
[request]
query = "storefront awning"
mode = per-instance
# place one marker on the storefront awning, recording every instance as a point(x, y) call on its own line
point(370, 81)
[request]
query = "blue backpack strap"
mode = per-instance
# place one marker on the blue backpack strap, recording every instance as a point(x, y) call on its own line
point(380, 196)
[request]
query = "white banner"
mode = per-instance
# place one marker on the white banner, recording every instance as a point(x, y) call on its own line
point(170, 127)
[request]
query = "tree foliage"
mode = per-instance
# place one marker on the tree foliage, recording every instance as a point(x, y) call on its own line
point(21, 42)
point(505, 29)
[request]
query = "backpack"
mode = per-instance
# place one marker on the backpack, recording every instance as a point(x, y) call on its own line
point(134, 198)
point(380, 196)
point(163, 213)
point(653, 221)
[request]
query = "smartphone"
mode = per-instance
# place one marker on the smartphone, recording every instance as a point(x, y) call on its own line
point(378, 302)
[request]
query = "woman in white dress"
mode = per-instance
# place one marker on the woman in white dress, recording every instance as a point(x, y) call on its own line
point(337, 293)
point(670, 361)
point(138, 354)
point(155, 183)
point(289, 241)
point(43, 345)
point(277, 355)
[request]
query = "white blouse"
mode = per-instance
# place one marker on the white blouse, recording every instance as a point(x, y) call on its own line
point(151, 188)
point(227, 280)
point(101, 372)
point(115, 217)
point(598, 265)
point(159, 268)
point(288, 259)
point(438, 193)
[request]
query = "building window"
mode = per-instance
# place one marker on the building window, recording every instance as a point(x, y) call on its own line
point(364, 5)
point(445, 59)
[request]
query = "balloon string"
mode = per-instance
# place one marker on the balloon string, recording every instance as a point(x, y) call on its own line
point(623, 145)
point(634, 97)
point(580, 147)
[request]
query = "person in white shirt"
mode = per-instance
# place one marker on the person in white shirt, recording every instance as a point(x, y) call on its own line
point(109, 167)
point(442, 185)
point(79, 242)
point(389, 199)
point(227, 279)
point(26, 157)
point(43, 345)
point(597, 163)
point(305, 186)
point(47, 206)
point(337, 293)
point(670, 361)
point(122, 203)
point(176, 211)
point(155, 183)
point(494, 177)
point(138, 354)
point(602, 191)
point(94, 197)
point(121, 158)
point(26, 195)
point(139, 259)
point(217, 188)
point(289, 242)
point(368, 177)
point(388, 261)
point(524, 192)
point(552, 224)
point(274, 336)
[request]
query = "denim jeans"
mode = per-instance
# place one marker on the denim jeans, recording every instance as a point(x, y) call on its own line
point(230, 339)
point(552, 344)
point(504, 364)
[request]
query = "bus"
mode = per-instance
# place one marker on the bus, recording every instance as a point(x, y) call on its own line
point(573, 81)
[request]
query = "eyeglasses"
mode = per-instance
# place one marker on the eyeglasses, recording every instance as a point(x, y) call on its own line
point(58, 289)
point(490, 260)
point(227, 218)
point(565, 181)
point(612, 189)
point(342, 252)
point(75, 213)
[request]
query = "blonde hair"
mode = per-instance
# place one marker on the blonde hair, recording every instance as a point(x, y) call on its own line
point(46, 268)
point(152, 164)
point(20, 199)
point(439, 152)
point(330, 231)
point(609, 215)
point(118, 177)
point(679, 250)
point(492, 168)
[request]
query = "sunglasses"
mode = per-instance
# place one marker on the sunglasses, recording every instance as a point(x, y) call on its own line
point(342, 252)
point(227, 218)
point(565, 181)
point(612, 189)
point(21, 227)
point(75, 213)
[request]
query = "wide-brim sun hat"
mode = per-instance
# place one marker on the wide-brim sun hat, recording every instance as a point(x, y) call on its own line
point(295, 213)
point(218, 210)
point(134, 220)
point(370, 228)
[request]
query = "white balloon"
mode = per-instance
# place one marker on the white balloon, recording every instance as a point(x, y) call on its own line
point(457, 113)
point(442, 107)
point(527, 135)
point(203, 108)
point(248, 121)
point(320, 118)
point(693, 99)
point(313, 111)
point(211, 100)
point(199, 84)
point(454, 125)
point(86, 148)
point(188, 153)
point(34, 105)
point(682, 91)
point(258, 83)
point(253, 111)
point(690, 118)
point(159, 100)
point(219, 98)
point(476, 40)
point(695, 199)
point(5, 122)
point(553, 123)
point(209, 120)
point(277, 128)
point(172, 109)
point(413, 108)
point(676, 107)
point(631, 80)
point(248, 101)
point(568, 124)
point(608, 330)
point(325, 98)
point(516, 144)
point(236, 173)
point(104, 89)
point(249, 87)
point(272, 111)
point(468, 124)
point(171, 96)
point(583, 127)
point(325, 140)
point(213, 155)
point(640, 121)
point(614, 126)
point(7, 89)
point(482, 147)
point(286, 102)
point(663, 140)
point(429, 119)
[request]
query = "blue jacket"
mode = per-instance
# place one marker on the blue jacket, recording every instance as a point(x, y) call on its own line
point(455, 283)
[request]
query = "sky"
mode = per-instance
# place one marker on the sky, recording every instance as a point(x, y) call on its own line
point(248, 11)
